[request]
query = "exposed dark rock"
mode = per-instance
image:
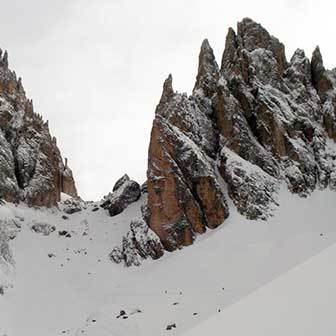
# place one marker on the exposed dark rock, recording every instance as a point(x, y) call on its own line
point(144, 188)
point(64, 233)
point(72, 205)
point(257, 123)
point(252, 190)
point(171, 326)
point(67, 181)
point(44, 228)
point(126, 191)
point(122, 314)
point(8, 231)
point(125, 178)
point(139, 243)
point(320, 78)
point(31, 167)
point(207, 76)
point(181, 172)
point(116, 255)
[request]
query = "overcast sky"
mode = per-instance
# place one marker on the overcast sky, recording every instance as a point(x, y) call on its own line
point(95, 68)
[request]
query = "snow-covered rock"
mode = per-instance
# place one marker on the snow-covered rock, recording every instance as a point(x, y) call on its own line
point(8, 231)
point(42, 227)
point(72, 205)
point(252, 190)
point(125, 192)
point(31, 166)
point(256, 122)
point(138, 243)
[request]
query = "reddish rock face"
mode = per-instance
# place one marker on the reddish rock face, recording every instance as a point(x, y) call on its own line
point(67, 181)
point(256, 122)
point(31, 166)
point(184, 197)
point(174, 213)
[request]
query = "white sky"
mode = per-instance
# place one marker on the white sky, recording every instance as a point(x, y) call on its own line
point(95, 68)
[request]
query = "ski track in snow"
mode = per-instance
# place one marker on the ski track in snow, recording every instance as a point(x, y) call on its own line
point(80, 291)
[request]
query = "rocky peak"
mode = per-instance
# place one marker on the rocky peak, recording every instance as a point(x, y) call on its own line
point(31, 166)
point(4, 59)
point(262, 125)
point(230, 51)
point(252, 36)
point(317, 60)
point(207, 75)
point(300, 61)
point(125, 178)
point(183, 195)
point(168, 91)
point(319, 75)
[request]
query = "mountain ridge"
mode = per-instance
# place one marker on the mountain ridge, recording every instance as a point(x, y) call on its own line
point(250, 125)
point(31, 166)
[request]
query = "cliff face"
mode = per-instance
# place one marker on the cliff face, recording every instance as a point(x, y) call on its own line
point(31, 166)
point(251, 124)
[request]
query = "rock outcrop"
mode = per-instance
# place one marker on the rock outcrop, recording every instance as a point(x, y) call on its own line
point(250, 126)
point(9, 228)
point(139, 243)
point(125, 192)
point(31, 167)
point(254, 123)
point(44, 228)
point(67, 181)
point(72, 205)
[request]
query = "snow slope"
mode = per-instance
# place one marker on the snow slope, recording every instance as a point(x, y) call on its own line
point(301, 303)
point(80, 292)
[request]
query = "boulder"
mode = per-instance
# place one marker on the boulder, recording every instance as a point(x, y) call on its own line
point(256, 123)
point(116, 255)
point(72, 205)
point(125, 178)
point(64, 233)
point(125, 192)
point(139, 243)
point(42, 227)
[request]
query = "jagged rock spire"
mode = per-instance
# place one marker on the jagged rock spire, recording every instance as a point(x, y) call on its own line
point(263, 127)
point(168, 91)
point(320, 79)
point(230, 51)
point(5, 59)
point(299, 67)
point(317, 63)
point(252, 35)
point(207, 75)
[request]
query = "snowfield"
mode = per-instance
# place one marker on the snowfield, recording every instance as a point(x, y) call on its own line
point(300, 302)
point(68, 286)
